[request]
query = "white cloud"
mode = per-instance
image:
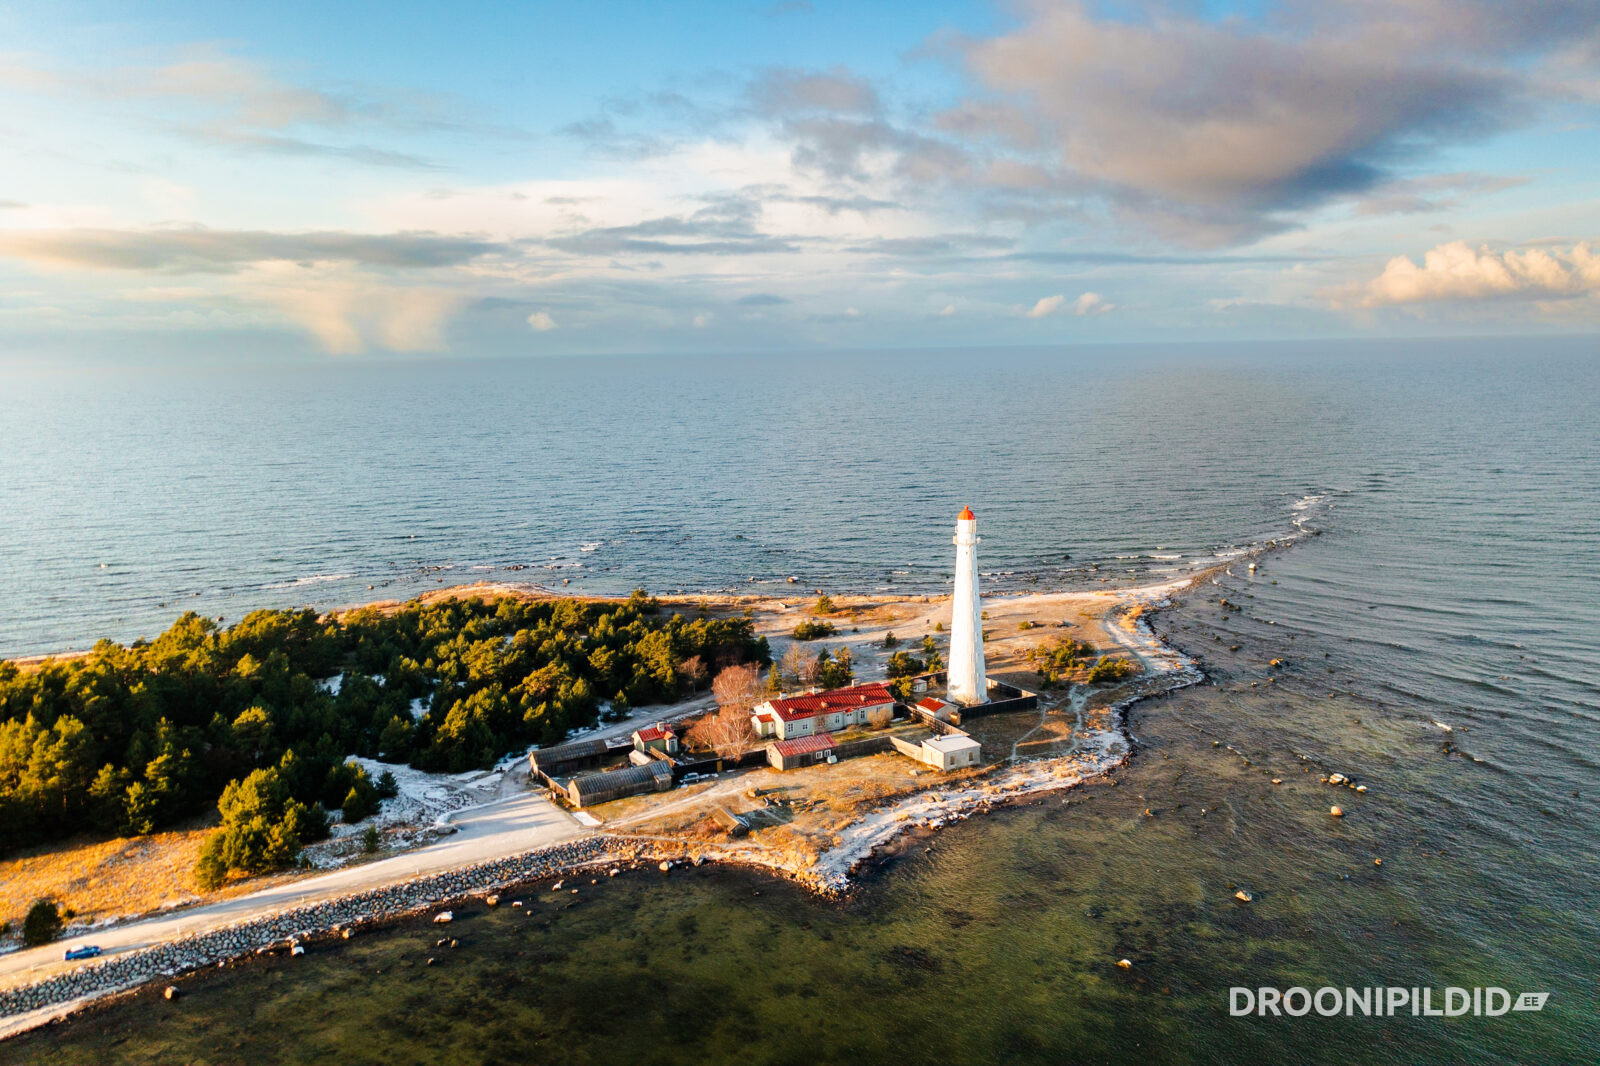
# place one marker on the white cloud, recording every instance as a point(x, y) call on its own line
point(1047, 306)
point(702, 320)
point(1455, 271)
point(1089, 303)
point(1092, 303)
point(947, 311)
point(541, 321)
point(350, 316)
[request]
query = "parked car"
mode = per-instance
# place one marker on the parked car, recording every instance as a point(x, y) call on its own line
point(88, 951)
point(688, 779)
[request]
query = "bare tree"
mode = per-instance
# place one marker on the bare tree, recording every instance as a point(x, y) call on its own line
point(795, 662)
point(809, 668)
point(728, 732)
point(738, 688)
point(879, 717)
point(693, 671)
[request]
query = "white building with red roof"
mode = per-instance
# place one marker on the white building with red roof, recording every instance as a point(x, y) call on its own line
point(660, 737)
point(821, 712)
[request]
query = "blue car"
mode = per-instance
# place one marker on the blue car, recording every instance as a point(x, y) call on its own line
point(88, 951)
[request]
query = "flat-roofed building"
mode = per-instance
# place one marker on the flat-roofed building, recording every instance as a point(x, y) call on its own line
point(953, 752)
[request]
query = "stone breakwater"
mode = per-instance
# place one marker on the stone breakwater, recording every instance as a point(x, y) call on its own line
point(325, 919)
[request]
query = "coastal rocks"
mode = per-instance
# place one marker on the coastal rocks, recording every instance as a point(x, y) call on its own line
point(1124, 964)
point(171, 992)
point(335, 918)
point(1243, 897)
point(444, 916)
point(1337, 812)
point(492, 900)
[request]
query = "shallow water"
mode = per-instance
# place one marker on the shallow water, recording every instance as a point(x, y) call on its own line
point(1455, 581)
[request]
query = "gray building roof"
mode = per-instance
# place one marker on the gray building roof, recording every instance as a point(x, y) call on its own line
point(651, 775)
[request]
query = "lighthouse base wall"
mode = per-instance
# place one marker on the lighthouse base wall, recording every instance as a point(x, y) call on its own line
point(1002, 697)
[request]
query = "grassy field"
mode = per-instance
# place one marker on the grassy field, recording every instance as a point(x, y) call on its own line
point(103, 879)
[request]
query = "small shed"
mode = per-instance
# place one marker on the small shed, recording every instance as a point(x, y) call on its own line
point(589, 789)
point(940, 709)
point(800, 751)
point(659, 737)
point(953, 752)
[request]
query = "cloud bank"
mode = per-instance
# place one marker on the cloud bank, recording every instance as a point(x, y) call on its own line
point(1457, 272)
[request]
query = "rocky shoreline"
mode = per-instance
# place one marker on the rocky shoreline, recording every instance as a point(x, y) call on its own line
point(28, 1006)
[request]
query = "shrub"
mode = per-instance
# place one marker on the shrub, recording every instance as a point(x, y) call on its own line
point(369, 840)
point(263, 828)
point(43, 923)
point(890, 640)
point(1108, 670)
point(813, 630)
point(836, 670)
point(824, 605)
point(902, 664)
point(900, 688)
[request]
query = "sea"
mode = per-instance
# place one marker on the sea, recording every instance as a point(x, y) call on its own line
point(1433, 602)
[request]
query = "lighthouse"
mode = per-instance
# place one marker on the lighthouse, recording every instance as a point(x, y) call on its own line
point(967, 684)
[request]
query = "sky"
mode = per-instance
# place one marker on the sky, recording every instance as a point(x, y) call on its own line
point(364, 180)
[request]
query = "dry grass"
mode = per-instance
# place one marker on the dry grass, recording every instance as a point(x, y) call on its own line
point(101, 879)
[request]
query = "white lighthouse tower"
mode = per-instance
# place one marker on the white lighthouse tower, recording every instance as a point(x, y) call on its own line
point(967, 683)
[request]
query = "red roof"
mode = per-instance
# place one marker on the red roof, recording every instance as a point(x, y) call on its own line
point(839, 699)
point(654, 732)
point(765, 718)
point(931, 703)
point(804, 745)
point(966, 515)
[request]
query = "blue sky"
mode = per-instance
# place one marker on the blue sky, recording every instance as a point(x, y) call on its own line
point(354, 180)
